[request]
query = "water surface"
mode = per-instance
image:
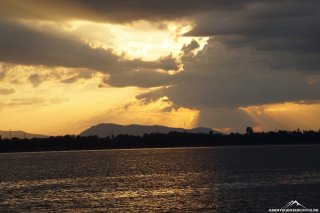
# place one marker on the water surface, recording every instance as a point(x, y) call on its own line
point(219, 179)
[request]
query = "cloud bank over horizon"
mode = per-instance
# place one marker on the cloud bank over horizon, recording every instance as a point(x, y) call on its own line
point(227, 60)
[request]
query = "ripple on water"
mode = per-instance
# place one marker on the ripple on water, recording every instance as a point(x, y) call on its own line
point(209, 180)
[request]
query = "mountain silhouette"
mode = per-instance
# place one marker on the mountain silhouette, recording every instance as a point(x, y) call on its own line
point(293, 204)
point(20, 134)
point(108, 129)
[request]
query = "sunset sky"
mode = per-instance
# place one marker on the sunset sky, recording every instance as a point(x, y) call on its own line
point(66, 65)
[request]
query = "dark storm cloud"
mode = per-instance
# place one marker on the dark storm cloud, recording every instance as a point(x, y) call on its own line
point(140, 78)
point(192, 46)
point(113, 10)
point(291, 28)
point(288, 27)
point(220, 76)
point(220, 79)
point(261, 52)
point(128, 10)
point(23, 45)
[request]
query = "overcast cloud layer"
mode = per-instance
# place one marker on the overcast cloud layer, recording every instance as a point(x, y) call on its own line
point(23, 45)
point(260, 52)
point(113, 10)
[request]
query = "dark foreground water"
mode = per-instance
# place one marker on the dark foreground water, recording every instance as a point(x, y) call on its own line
point(220, 179)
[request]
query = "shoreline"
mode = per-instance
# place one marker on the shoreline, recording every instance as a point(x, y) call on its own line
point(159, 148)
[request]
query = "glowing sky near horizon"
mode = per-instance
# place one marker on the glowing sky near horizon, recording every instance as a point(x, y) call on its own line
point(68, 65)
point(51, 103)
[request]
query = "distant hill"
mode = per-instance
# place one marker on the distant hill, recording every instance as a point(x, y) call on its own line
point(103, 130)
point(20, 134)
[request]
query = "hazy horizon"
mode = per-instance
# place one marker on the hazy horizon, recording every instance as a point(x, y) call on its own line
point(20, 132)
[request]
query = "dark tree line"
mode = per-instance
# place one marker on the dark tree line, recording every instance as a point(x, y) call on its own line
point(173, 139)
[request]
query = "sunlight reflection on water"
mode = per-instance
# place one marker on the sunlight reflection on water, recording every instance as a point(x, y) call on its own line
point(242, 179)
